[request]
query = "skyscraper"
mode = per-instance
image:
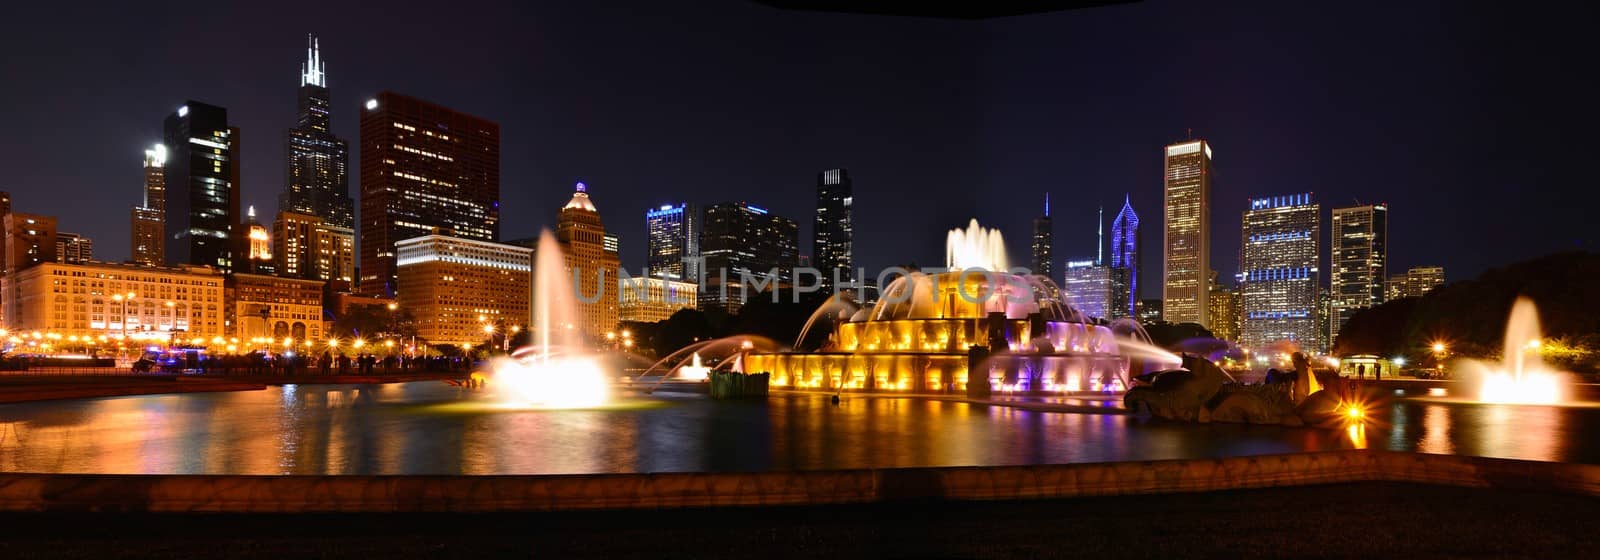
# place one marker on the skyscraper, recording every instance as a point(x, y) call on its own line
point(1278, 272)
point(593, 265)
point(832, 237)
point(674, 235)
point(201, 179)
point(1187, 242)
point(739, 241)
point(1044, 233)
point(316, 181)
point(423, 166)
point(1359, 252)
point(148, 218)
point(1125, 256)
point(1089, 288)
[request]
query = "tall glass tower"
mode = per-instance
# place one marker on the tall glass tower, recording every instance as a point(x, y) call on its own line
point(201, 179)
point(832, 245)
point(316, 181)
point(1044, 233)
point(1125, 257)
point(1187, 241)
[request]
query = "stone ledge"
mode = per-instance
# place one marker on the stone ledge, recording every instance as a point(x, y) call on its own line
point(300, 494)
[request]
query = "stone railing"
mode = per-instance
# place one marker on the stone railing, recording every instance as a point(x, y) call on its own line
point(229, 493)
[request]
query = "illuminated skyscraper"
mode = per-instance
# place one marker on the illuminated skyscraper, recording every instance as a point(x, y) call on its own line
point(316, 182)
point(148, 219)
point(1125, 257)
point(674, 235)
point(592, 263)
point(1187, 241)
point(423, 166)
point(1359, 252)
point(832, 234)
point(202, 190)
point(744, 241)
point(1044, 233)
point(1278, 272)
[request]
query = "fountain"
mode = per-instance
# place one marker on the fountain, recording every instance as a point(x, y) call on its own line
point(928, 330)
point(555, 371)
point(1521, 377)
point(695, 371)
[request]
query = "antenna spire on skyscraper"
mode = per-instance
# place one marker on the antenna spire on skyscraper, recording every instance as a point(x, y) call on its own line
point(313, 71)
point(1047, 204)
point(1100, 239)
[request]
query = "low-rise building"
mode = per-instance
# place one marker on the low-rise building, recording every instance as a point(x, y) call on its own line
point(261, 306)
point(647, 300)
point(115, 300)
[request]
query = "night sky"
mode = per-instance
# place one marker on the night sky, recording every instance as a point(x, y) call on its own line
point(1476, 124)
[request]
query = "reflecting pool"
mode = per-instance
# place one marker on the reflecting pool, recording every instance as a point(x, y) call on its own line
point(433, 428)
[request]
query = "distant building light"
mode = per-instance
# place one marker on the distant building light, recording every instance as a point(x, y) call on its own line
point(183, 111)
point(756, 209)
point(371, 104)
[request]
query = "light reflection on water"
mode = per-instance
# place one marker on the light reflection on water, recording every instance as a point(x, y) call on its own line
point(432, 428)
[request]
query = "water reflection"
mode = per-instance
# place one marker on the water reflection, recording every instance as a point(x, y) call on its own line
point(431, 428)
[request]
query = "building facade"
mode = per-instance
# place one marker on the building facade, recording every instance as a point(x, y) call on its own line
point(833, 232)
point(673, 244)
point(1279, 272)
point(148, 235)
point(1359, 251)
point(72, 248)
point(1089, 288)
point(116, 301)
point(1224, 312)
point(1416, 282)
point(453, 286)
point(30, 239)
point(202, 190)
point(423, 167)
point(309, 247)
point(749, 252)
point(647, 300)
point(1187, 243)
point(262, 306)
point(1125, 256)
point(1044, 235)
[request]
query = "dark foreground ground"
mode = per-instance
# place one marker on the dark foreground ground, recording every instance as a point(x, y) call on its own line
point(1369, 520)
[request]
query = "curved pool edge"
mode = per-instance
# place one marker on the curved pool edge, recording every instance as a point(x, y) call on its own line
point(22, 492)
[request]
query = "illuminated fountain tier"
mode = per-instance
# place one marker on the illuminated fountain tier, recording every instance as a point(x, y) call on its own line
point(927, 332)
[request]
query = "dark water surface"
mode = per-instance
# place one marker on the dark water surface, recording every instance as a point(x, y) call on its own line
point(432, 428)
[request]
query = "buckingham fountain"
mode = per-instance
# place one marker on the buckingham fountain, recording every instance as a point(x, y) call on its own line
point(975, 328)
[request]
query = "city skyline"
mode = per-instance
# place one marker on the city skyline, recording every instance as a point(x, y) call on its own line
point(579, 126)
